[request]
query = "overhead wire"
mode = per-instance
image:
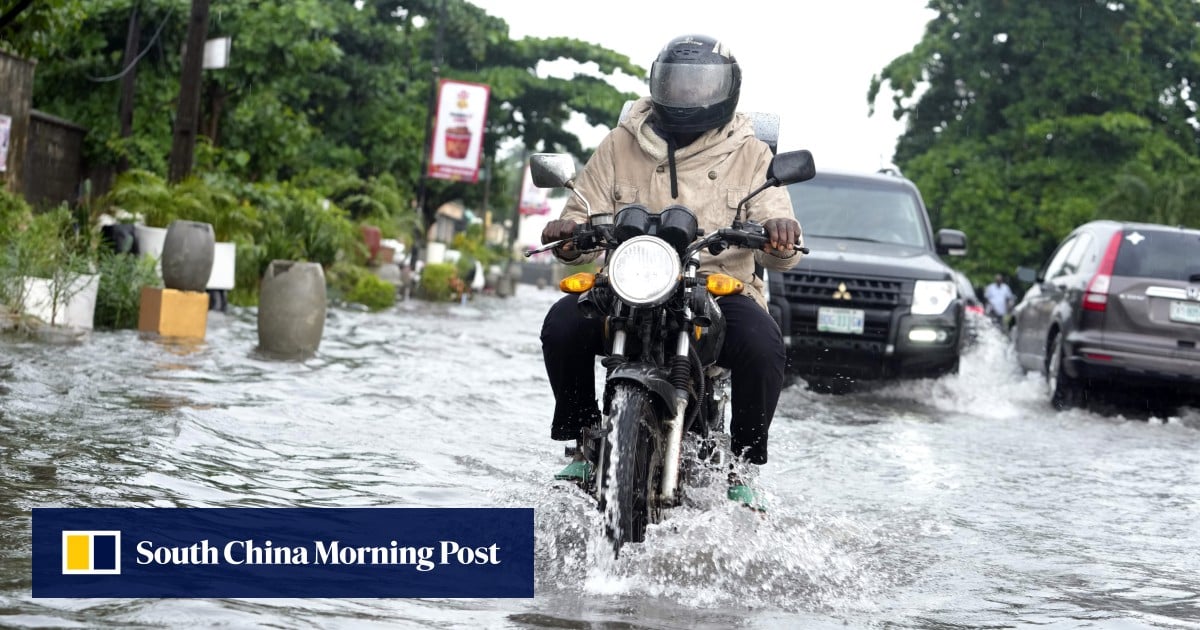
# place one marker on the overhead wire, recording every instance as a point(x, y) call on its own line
point(135, 61)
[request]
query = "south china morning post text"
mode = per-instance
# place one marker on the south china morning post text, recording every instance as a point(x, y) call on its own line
point(240, 552)
point(283, 552)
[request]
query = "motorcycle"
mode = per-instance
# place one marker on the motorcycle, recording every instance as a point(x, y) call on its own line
point(664, 331)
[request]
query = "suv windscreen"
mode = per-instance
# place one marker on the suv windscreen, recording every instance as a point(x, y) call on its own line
point(1173, 255)
point(853, 209)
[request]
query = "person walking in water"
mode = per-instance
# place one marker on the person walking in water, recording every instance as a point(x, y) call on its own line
point(1000, 299)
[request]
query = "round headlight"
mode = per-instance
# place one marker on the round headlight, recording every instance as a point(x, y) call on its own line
point(644, 270)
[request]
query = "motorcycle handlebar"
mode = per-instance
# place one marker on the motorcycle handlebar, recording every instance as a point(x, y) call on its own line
point(748, 235)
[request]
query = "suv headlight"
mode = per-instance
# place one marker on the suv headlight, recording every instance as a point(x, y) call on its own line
point(644, 270)
point(932, 297)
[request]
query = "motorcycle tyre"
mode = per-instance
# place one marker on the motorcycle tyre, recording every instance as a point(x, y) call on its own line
point(628, 506)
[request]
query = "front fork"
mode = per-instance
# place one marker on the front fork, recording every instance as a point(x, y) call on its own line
point(680, 377)
point(673, 449)
point(674, 446)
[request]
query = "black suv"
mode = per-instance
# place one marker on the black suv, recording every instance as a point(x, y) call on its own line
point(1115, 308)
point(873, 300)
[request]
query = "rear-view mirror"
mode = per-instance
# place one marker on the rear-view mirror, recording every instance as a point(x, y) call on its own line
point(951, 242)
point(791, 167)
point(551, 170)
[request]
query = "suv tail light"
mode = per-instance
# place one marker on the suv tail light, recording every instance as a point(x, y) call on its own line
point(1095, 298)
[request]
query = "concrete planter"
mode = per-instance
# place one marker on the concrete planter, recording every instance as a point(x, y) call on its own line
point(150, 242)
point(187, 255)
point(223, 268)
point(72, 306)
point(291, 309)
point(435, 253)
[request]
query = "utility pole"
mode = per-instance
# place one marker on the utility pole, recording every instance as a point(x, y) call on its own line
point(187, 114)
point(422, 187)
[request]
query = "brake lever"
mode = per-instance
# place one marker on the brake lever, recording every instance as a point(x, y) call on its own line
point(547, 246)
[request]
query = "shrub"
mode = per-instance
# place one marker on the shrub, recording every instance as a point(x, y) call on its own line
point(354, 283)
point(122, 277)
point(373, 292)
point(435, 281)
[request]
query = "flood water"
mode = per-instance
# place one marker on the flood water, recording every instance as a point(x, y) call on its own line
point(951, 503)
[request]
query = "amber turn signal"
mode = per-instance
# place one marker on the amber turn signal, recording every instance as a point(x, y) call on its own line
point(577, 283)
point(721, 284)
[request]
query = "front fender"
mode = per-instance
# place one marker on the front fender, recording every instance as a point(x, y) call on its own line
point(655, 379)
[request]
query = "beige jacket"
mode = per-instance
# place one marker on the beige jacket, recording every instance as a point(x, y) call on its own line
point(713, 173)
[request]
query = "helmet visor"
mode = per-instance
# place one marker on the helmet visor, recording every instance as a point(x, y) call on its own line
point(690, 84)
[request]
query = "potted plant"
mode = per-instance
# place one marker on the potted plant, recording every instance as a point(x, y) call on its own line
point(47, 271)
point(149, 201)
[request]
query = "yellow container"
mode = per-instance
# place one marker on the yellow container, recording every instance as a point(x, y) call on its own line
point(173, 313)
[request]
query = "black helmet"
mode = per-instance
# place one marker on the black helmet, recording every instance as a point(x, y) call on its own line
point(694, 83)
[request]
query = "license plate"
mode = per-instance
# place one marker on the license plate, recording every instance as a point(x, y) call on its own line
point(840, 320)
point(1186, 312)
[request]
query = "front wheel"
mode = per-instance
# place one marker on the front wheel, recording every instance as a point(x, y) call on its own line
point(1065, 390)
point(630, 466)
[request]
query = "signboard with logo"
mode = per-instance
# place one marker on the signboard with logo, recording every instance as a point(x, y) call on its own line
point(534, 200)
point(457, 146)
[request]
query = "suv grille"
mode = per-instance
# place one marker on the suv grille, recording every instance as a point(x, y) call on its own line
point(819, 289)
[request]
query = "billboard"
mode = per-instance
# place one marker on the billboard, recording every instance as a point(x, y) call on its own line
point(457, 146)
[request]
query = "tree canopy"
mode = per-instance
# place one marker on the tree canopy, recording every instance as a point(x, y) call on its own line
point(313, 84)
point(1027, 119)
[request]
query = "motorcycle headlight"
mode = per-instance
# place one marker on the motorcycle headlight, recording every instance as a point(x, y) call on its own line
point(932, 297)
point(644, 270)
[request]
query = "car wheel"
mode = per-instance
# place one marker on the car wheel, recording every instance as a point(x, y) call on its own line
point(1065, 390)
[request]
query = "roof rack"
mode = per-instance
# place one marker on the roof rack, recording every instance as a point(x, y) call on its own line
point(890, 170)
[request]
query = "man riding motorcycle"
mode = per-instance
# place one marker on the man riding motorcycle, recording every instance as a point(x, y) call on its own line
point(684, 144)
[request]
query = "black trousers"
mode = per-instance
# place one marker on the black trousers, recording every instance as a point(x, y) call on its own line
point(753, 352)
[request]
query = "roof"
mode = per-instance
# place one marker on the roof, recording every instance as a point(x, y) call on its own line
point(875, 179)
point(1115, 223)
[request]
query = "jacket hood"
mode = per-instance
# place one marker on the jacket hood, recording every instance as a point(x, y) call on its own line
point(722, 140)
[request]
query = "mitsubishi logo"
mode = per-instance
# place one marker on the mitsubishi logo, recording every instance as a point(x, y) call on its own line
point(1193, 293)
point(841, 293)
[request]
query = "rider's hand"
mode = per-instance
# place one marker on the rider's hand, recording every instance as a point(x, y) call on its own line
point(783, 234)
point(557, 230)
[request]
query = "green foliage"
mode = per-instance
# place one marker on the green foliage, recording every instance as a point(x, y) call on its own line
point(46, 245)
point(472, 246)
point(436, 281)
point(35, 31)
point(357, 284)
point(336, 85)
point(296, 224)
point(375, 200)
point(122, 277)
point(143, 194)
point(211, 198)
point(1034, 118)
point(1141, 194)
point(373, 292)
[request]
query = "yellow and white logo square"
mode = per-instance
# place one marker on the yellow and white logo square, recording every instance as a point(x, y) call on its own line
point(91, 552)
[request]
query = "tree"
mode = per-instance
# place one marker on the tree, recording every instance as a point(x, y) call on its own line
point(1030, 111)
point(318, 84)
point(29, 29)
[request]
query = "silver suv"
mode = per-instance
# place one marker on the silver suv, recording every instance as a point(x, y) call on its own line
point(1117, 306)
